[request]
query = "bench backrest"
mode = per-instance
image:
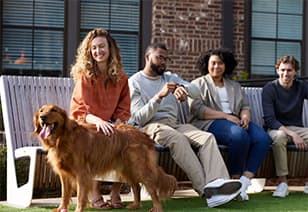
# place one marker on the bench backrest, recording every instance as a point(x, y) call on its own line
point(21, 96)
point(255, 103)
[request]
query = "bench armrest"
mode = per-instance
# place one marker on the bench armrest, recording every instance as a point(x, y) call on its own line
point(27, 151)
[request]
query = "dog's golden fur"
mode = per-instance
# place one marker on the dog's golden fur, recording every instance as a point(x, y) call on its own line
point(79, 153)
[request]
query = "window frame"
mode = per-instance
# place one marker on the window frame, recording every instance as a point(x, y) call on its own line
point(249, 38)
point(33, 28)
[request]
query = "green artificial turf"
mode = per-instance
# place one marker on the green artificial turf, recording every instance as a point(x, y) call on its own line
point(260, 202)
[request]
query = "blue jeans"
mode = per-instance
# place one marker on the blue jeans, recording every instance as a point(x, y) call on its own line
point(245, 148)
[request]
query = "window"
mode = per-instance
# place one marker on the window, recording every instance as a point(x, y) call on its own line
point(35, 40)
point(276, 30)
point(121, 18)
point(32, 37)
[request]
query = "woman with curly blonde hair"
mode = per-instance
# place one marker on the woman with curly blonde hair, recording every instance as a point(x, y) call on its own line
point(101, 95)
point(86, 63)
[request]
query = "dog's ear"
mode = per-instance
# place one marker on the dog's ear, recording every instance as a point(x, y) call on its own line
point(68, 123)
point(37, 127)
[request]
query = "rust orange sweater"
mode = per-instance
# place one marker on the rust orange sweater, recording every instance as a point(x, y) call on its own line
point(108, 102)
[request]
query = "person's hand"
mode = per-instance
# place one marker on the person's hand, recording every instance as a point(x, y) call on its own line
point(180, 93)
point(245, 122)
point(105, 126)
point(233, 119)
point(169, 87)
point(101, 125)
point(299, 142)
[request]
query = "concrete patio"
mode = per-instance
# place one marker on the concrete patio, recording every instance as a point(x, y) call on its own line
point(185, 193)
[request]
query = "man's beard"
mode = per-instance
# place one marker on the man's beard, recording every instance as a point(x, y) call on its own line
point(158, 69)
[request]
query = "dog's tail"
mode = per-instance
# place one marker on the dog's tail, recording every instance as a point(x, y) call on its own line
point(167, 184)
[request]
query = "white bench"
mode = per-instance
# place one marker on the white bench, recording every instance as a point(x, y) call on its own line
point(21, 96)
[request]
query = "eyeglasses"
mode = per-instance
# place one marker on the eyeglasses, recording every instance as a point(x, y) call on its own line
point(163, 59)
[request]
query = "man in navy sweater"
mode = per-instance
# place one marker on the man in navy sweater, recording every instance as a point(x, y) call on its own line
point(282, 101)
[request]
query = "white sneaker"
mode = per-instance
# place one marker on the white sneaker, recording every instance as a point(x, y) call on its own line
point(306, 188)
point(281, 190)
point(257, 185)
point(217, 200)
point(243, 196)
point(221, 187)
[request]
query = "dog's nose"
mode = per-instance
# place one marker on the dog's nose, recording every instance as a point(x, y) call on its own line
point(43, 117)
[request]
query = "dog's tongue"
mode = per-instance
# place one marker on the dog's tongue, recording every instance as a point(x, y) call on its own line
point(45, 132)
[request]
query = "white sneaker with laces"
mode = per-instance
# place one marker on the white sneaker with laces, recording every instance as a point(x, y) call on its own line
point(217, 200)
point(243, 196)
point(281, 190)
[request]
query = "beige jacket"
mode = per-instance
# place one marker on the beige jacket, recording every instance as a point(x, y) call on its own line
point(210, 98)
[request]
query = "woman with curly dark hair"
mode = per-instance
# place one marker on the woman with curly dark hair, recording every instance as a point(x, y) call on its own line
point(101, 95)
point(223, 110)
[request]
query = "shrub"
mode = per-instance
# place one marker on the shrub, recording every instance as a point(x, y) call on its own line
point(2, 173)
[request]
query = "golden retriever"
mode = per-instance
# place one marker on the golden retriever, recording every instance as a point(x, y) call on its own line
point(78, 153)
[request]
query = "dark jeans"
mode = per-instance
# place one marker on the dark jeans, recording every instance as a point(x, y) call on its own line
point(247, 148)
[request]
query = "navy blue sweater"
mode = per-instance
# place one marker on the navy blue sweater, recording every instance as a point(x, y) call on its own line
point(283, 106)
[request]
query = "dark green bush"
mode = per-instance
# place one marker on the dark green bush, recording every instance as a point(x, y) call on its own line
point(2, 173)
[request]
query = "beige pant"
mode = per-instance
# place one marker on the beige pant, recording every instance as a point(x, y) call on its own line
point(280, 140)
point(202, 168)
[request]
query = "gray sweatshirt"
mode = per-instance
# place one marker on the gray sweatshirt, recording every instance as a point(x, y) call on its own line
point(145, 105)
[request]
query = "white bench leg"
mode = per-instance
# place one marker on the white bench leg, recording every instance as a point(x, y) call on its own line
point(20, 196)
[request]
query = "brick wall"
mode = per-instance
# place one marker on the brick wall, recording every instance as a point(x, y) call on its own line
point(189, 27)
point(238, 34)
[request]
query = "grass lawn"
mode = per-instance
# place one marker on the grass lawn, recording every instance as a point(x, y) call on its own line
point(260, 202)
